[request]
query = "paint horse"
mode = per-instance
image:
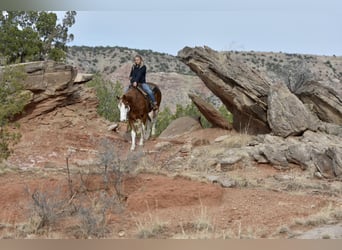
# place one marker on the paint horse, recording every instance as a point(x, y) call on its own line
point(135, 107)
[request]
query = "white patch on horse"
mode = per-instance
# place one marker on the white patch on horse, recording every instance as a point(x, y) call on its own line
point(123, 111)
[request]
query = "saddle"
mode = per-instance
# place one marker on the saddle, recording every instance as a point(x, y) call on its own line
point(152, 87)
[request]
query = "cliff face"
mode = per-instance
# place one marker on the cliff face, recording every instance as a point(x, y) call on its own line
point(51, 85)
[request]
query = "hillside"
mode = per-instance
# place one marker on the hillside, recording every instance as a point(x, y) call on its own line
point(177, 80)
point(108, 59)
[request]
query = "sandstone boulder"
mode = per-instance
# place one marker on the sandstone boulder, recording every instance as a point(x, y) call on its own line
point(286, 114)
point(180, 126)
point(210, 113)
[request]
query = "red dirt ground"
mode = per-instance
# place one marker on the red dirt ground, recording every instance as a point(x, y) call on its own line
point(175, 201)
point(178, 202)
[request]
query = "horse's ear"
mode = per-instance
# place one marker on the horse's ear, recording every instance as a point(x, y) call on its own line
point(118, 97)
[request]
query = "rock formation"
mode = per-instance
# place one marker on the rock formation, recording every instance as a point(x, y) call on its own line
point(247, 94)
point(242, 90)
point(51, 85)
point(305, 125)
point(210, 113)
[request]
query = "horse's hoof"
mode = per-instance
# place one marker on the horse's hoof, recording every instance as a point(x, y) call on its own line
point(132, 149)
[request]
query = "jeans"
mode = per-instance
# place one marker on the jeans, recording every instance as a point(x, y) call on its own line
point(148, 90)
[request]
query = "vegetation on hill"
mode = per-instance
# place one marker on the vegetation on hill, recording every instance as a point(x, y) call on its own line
point(292, 69)
point(280, 66)
point(12, 102)
point(106, 60)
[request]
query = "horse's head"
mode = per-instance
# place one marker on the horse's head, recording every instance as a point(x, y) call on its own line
point(124, 108)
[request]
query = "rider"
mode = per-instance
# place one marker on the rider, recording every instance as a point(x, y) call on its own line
point(138, 77)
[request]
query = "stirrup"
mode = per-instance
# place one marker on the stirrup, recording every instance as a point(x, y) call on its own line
point(155, 106)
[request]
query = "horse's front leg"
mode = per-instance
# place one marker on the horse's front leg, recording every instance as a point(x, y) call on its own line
point(142, 133)
point(133, 135)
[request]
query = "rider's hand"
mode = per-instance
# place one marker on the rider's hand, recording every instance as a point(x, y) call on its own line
point(135, 84)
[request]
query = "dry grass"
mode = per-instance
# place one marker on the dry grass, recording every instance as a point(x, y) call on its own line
point(152, 227)
point(328, 215)
point(203, 221)
point(237, 140)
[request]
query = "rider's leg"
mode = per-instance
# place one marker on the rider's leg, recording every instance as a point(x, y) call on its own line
point(148, 90)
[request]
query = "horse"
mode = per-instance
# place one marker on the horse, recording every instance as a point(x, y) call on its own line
point(135, 107)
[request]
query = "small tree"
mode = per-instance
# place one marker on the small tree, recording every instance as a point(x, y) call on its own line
point(34, 35)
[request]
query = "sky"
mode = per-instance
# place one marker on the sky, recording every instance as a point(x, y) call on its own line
point(292, 26)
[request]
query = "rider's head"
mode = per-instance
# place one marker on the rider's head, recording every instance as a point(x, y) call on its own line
point(138, 60)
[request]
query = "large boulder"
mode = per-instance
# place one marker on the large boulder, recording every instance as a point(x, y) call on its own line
point(51, 85)
point(210, 113)
point(180, 126)
point(286, 114)
point(242, 90)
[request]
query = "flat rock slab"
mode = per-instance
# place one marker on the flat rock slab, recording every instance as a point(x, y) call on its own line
point(325, 232)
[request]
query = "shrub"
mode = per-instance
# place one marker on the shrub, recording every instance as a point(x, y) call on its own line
point(12, 102)
point(106, 93)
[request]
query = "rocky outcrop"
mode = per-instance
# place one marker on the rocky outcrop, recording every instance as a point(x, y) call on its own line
point(324, 99)
point(286, 114)
point(255, 105)
point(210, 113)
point(53, 85)
point(241, 89)
point(306, 124)
point(317, 151)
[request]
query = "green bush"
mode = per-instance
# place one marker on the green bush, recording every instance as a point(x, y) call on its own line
point(12, 102)
point(106, 93)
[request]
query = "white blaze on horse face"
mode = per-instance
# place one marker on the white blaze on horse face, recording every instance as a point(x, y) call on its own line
point(123, 111)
